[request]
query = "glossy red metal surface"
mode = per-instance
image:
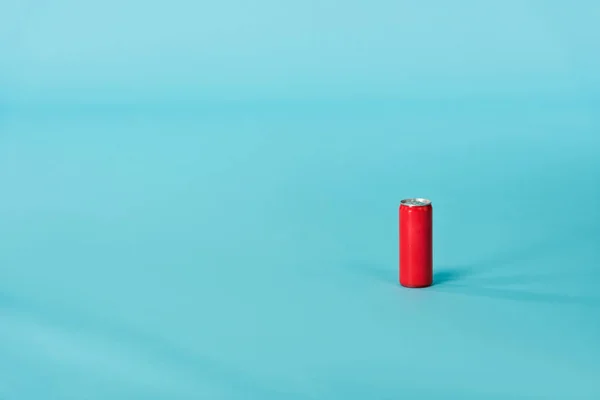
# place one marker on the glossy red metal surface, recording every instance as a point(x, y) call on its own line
point(416, 243)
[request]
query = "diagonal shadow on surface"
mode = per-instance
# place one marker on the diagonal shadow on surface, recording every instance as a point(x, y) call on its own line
point(448, 281)
point(533, 278)
point(471, 280)
point(519, 295)
point(448, 274)
point(452, 275)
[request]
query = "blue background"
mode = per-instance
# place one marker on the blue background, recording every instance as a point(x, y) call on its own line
point(199, 200)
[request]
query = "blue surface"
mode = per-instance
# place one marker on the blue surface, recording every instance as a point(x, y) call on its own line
point(252, 254)
point(187, 216)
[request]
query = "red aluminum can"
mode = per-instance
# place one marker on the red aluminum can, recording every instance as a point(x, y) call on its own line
point(416, 243)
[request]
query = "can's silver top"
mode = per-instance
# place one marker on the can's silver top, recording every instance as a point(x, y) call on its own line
point(415, 202)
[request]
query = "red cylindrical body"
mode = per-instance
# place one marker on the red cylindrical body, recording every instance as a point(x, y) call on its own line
point(416, 243)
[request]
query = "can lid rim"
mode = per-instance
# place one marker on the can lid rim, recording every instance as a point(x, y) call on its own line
point(416, 202)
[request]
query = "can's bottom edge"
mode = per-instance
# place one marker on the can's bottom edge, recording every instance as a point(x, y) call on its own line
point(416, 286)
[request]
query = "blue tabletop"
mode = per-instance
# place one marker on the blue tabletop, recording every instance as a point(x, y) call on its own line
point(250, 251)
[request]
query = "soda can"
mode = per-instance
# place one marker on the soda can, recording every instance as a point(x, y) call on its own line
point(416, 243)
